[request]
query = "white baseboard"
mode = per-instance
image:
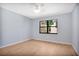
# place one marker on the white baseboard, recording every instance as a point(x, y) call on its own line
point(55, 41)
point(14, 43)
point(75, 50)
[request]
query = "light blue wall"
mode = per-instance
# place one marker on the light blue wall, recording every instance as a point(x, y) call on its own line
point(15, 27)
point(0, 28)
point(75, 24)
point(64, 29)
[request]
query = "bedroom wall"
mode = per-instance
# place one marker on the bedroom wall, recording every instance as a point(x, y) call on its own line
point(0, 29)
point(75, 24)
point(64, 29)
point(15, 27)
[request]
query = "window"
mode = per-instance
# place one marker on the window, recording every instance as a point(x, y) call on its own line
point(48, 26)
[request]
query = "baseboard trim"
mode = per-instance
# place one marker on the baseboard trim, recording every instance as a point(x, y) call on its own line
point(75, 50)
point(14, 43)
point(65, 43)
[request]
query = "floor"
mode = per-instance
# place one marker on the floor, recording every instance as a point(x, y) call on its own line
point(38, 48)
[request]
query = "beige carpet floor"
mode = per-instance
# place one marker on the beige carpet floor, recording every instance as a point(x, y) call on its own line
point(38, 48)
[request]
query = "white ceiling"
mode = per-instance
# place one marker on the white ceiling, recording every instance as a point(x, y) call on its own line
point(27, 9)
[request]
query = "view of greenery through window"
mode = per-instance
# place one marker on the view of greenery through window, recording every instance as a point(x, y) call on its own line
point(48, 26)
